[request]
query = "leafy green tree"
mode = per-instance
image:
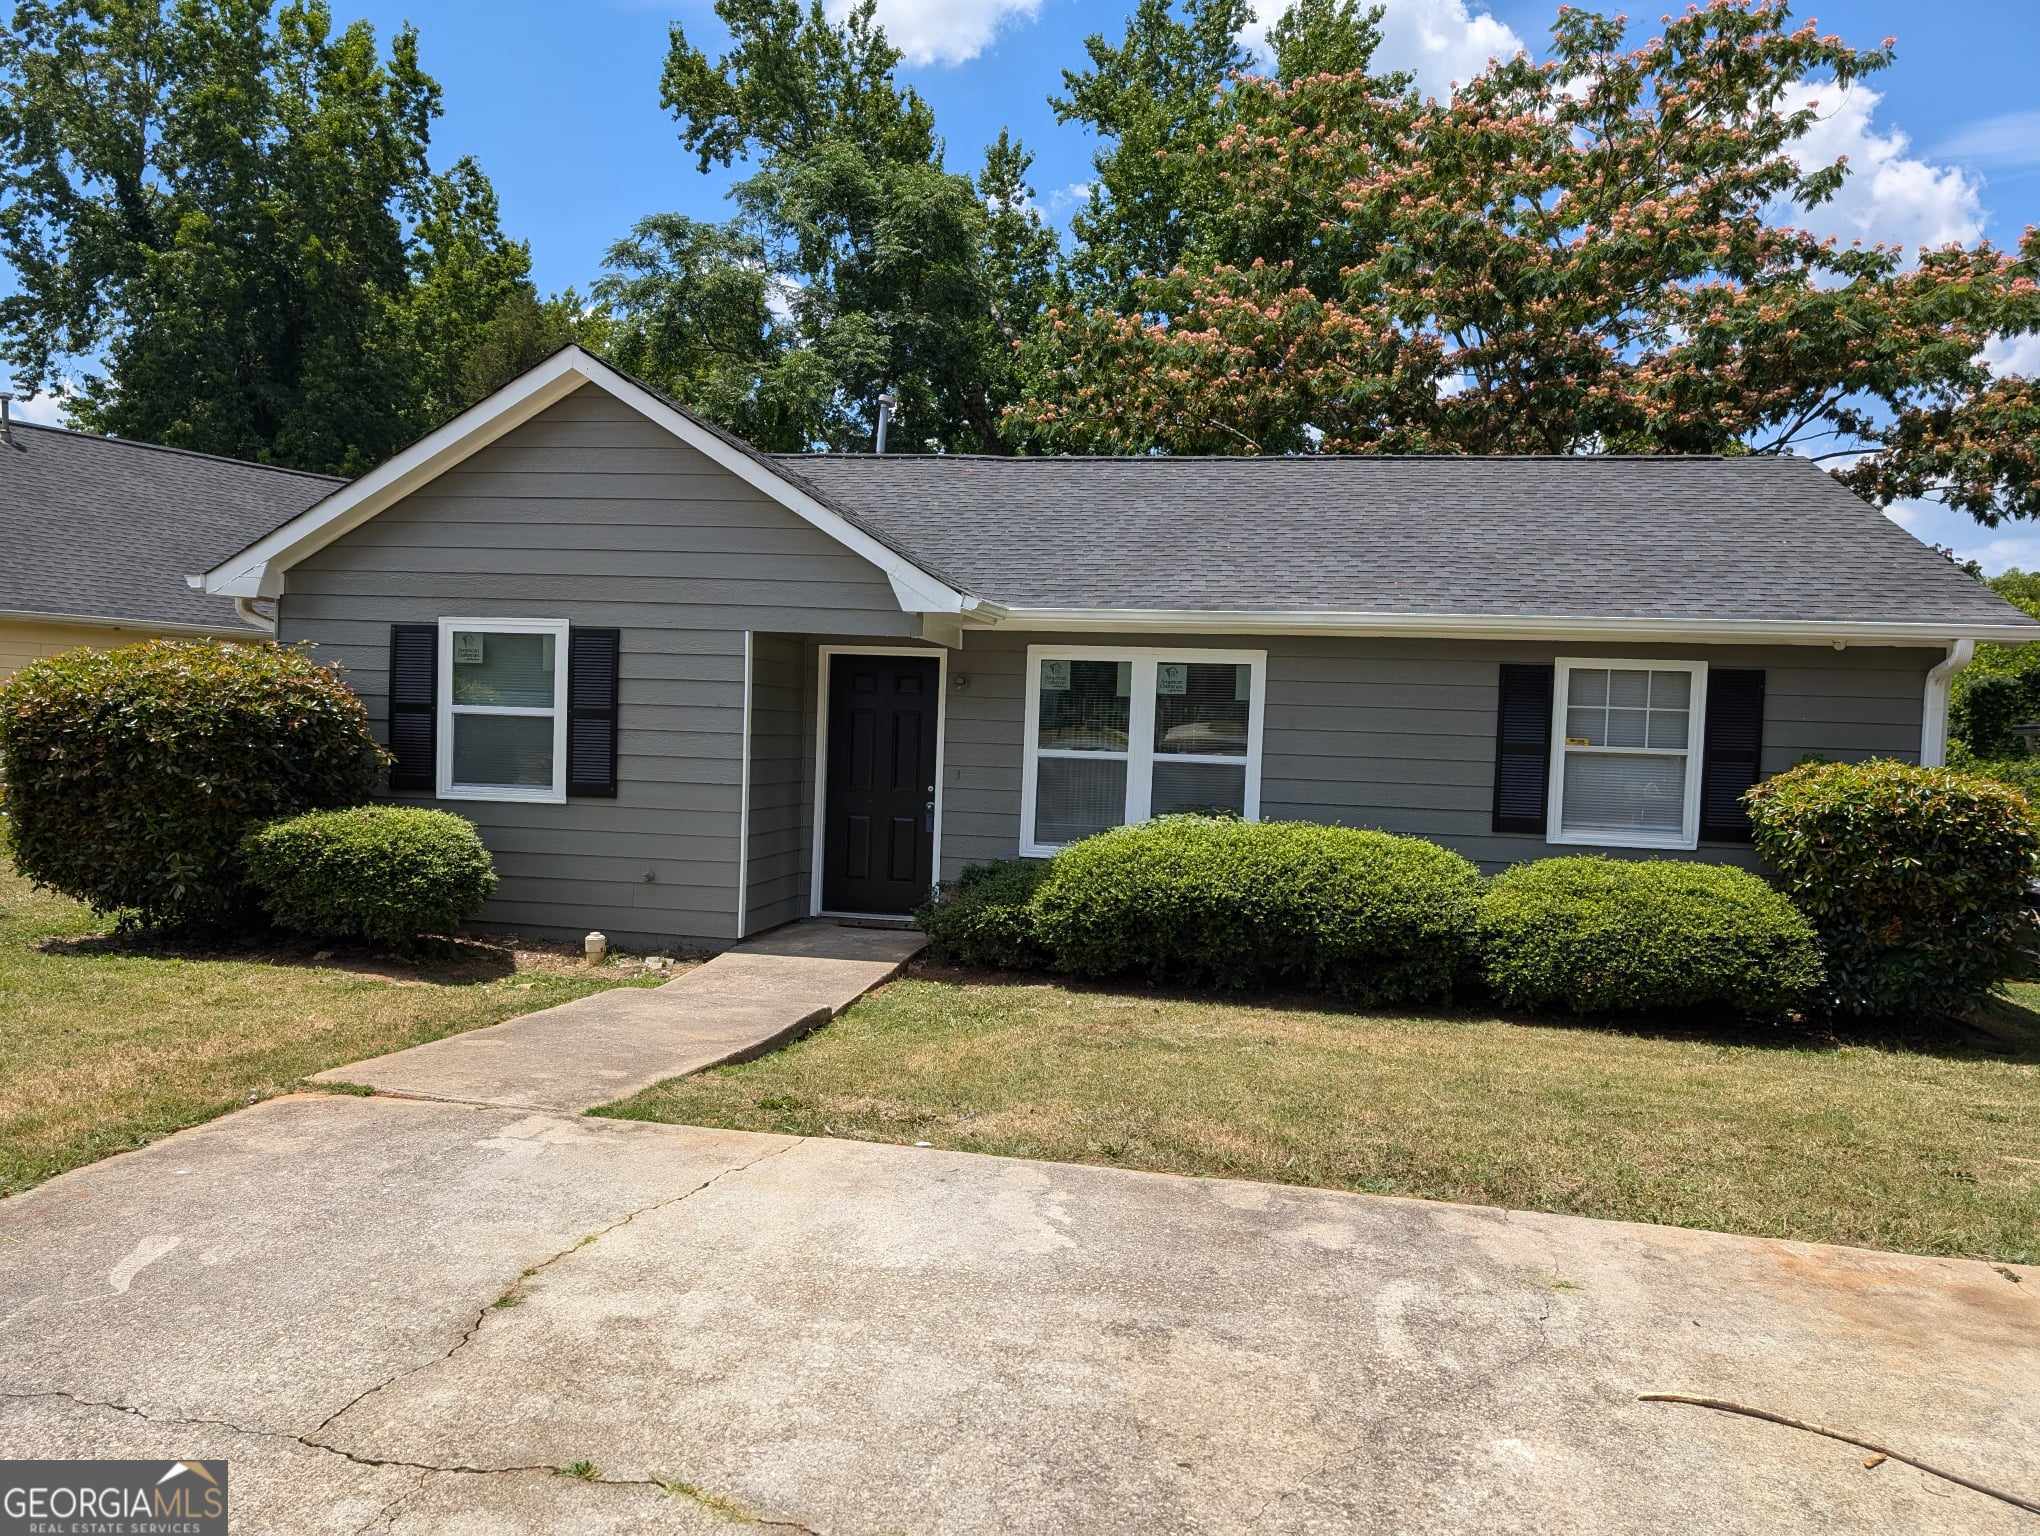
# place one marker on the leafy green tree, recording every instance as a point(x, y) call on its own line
point(223, 209)
point(1571, 255)
point(857, 262)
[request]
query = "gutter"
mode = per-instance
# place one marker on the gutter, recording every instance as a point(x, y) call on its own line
point(255, 618)
point(1934, 707)
point(1491, 626)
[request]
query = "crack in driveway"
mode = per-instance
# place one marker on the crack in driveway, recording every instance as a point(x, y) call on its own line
point(386, 1517)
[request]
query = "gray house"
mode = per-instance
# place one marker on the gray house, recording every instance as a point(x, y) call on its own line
point(689, 691)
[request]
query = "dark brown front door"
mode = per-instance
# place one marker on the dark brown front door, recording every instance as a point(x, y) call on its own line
point(878, 829)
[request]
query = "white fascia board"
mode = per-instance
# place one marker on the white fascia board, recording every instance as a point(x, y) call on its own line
point(1488, 626)
point(258, 570)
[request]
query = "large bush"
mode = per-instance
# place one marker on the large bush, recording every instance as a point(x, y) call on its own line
point(385, 873)
point(1600, 935)
point(1185, 899)
point(132, 775)
point(1915, 877)
point(987, 918)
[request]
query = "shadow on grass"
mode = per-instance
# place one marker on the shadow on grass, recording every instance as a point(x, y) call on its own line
point(460, 961)
point(2003, 1029)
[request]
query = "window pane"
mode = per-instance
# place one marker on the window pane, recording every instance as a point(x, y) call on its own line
point(1587, 727)
point(1671, 690)
point(1588, 686)
point(1086, 705)
point(1201, 706)
point(515, 671)
point(1208, 788)
point(1624, 794)
point(1668, 727)
point(503, 750)
point(1626, 727)
point(1629, 690)
point(1074, 798)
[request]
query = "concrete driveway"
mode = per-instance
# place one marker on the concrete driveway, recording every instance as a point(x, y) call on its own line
point(398, 1315)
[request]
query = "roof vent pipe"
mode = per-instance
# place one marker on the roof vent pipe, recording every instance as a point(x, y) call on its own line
point(7, 424)
point(888, 405)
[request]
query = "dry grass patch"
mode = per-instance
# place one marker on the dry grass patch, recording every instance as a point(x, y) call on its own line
point(1926, 1149)
point(105, 1046)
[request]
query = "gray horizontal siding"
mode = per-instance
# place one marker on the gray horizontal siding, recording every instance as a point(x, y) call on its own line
point(777, 871)
point(591, 514)
point(1400, 734)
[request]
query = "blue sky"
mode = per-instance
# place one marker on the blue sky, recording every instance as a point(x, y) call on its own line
point(560, 104)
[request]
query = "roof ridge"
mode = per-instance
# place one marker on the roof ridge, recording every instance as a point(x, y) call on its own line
point(189, 453)
point(1293, 458)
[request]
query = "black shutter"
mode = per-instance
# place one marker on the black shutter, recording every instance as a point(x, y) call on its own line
point(1523, 749)
point(591, 710)
point(1732, 753)
point(414, 701)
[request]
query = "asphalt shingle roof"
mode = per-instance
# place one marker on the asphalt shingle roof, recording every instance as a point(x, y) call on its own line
point(1753, 538)
point(98, 527)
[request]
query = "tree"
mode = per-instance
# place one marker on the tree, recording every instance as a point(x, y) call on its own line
point(857, 262)
point(224, 209)
point(1571, 255)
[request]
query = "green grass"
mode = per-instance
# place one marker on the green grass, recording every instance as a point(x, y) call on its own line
point(1924, 1149)
point(107, 1046)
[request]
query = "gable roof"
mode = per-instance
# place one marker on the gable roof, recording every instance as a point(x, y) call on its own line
point(103, 529)
point(1758, 544)
point(256, 568)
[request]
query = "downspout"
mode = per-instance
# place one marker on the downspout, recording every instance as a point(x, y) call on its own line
point(1934, 715)
point(249, 614)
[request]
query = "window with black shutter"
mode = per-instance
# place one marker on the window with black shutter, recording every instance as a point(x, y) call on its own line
point(414, 705)
point(1523, 749)
point(1732, 754)
point(592, 658)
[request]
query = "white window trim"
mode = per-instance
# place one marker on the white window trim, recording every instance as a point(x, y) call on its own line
point(1694, 752)
point(1140, 756)
point(446, 710)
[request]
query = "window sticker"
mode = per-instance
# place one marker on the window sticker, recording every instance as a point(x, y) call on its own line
point(1055, 677)
point(1172, 679)
point(467, 648)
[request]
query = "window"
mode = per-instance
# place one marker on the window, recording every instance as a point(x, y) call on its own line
point(1117, 736)
point(502, 709)
point(1625, 763)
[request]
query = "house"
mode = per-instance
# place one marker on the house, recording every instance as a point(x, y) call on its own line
point(689, 691)
point(99, 533)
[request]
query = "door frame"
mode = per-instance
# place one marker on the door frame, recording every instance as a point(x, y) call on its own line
point(940, 656)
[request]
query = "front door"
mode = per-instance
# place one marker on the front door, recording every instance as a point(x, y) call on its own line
point(878, 828)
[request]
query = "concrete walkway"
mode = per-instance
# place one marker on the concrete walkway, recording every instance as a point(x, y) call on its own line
point(402, 1317)
point(602, 1048)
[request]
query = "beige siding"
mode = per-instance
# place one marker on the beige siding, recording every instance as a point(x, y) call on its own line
point(26, 640)
point(592, 514)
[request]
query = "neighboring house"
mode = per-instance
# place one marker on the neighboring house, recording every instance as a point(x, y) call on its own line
point(689, 691)
point(99, 533)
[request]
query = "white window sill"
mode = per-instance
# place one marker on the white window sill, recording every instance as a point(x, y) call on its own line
point(1622, 840)
point(533, 796)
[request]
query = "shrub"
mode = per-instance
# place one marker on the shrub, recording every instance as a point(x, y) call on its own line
point(1601, 935)
point(134, 774)
point(1981, 721)
point(2021, 772)
point(1197, 901)
point(385, 873)
point(987, 918)
point(1915, 877)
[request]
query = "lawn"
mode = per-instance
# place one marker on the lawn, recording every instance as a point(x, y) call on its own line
point(106, 1046)
point(1924, 1150)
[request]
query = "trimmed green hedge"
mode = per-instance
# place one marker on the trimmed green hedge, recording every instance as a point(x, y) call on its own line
point(133, 774)
point(1915, 877)
point(1202, 902)
point(1602, 935)
point(987, 920)
point(384, 873)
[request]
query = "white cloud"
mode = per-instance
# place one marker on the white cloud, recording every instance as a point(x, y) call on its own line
point(2014, 354)
point(943, 31)
point(2010, 138)
point(1440, 42)
point(38, 410)
point(1997, 556)
point(1889, 195)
